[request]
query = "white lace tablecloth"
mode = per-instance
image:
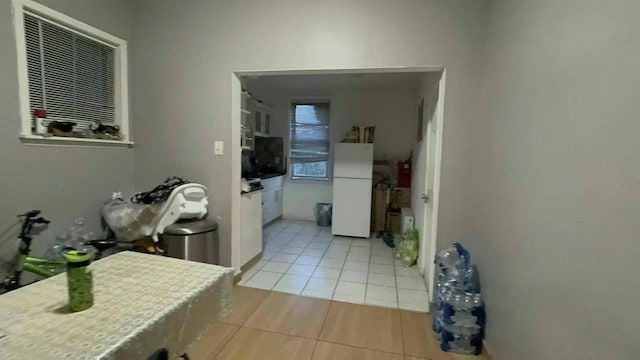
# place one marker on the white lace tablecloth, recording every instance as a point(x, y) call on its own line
point(141, 303)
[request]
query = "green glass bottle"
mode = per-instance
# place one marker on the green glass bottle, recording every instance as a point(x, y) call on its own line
point(79, 280)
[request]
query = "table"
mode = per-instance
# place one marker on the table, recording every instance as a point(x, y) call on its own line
point(141, 303)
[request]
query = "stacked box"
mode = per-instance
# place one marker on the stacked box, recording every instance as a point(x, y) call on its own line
point(459, 317)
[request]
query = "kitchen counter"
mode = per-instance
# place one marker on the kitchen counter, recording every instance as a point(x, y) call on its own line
point(269, 176)
point(251, 191)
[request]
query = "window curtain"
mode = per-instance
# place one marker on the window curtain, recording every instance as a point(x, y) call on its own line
point(309, 133)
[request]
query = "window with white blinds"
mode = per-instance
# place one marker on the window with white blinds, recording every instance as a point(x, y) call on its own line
point(73, 73)
point(309, 148)
point(71, 76)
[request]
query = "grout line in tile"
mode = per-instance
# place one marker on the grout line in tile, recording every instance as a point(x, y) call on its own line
point(281, 333)
point(402, 331)
point(318, 339)
point(366, 284)
point(213, 356)
point(324, 322)
point(356, 346)
point(395, 278)
point(332, 303)
point(314, 270)
point(361, 347)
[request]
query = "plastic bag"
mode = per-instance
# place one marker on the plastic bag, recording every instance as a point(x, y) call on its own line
point(129, 221)
point(409, 248)
point(74, 238)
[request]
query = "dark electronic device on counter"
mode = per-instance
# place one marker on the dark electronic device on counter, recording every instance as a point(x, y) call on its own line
point(266, 160)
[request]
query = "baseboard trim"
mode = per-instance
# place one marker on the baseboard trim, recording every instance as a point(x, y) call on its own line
point(251, 262)
point(237, 277)
point(486, 350)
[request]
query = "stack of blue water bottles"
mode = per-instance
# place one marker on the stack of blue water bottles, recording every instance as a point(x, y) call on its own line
point(459, 316)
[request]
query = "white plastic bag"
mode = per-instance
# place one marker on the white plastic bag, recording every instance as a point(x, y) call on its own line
point(129, 221)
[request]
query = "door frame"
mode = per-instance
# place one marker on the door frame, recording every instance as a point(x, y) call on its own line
point(236, 152)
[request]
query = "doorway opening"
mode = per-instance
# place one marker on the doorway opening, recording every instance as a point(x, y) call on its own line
point(286, 128)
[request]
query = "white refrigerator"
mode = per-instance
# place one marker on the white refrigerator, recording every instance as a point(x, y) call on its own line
point(352, 172)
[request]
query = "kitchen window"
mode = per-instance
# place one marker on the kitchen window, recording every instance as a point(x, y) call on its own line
point(72, 78)
point(309, 149)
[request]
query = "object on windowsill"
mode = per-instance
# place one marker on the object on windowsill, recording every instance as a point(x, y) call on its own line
point(353, 135)
point(105, 131)
point(62, 128)
point(369, 134)
point(40, 119)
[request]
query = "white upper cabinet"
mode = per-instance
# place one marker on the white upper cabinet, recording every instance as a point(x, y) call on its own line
point(261, 119)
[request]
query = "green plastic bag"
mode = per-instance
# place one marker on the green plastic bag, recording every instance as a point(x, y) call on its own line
point(408, 249)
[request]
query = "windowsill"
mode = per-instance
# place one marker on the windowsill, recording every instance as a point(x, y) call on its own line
point(70, 141)
point(309, 180)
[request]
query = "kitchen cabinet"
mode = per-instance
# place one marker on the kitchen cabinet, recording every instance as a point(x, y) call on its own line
point(261, 119)
point(251, 229)
point(246, 125)
point(272, 199)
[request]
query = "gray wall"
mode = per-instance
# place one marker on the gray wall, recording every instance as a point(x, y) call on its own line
point(185, 55)
point(556, 211)
point(64, 182)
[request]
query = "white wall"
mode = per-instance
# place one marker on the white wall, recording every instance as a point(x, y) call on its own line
point(64, 182)
point(392, 112)
point(185, 53)
point(556, 179)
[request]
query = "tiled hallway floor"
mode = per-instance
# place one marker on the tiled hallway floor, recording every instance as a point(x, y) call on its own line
point(269, 325)
point(304, 259)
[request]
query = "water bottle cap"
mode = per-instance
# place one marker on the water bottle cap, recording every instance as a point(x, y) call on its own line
point(75, 256)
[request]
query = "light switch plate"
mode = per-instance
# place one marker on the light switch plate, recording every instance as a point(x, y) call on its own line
point(218, 147)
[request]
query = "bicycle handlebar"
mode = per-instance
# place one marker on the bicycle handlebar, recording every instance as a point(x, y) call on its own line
point(31, 214)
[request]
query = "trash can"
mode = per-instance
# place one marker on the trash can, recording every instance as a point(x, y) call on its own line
point(192, 240)
point(323, 214)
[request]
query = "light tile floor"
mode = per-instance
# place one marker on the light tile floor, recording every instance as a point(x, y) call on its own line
point(304, 259)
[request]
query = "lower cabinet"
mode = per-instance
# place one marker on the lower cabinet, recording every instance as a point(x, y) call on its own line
point(251, 229)
point(272, 199)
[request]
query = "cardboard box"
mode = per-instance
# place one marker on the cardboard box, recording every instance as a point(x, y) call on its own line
point(378, 209)
point(404, 197)
point(401, 198)
point(398, 198)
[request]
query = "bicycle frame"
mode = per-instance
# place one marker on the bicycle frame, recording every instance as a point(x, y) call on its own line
point(39, 266)
point(42, 267)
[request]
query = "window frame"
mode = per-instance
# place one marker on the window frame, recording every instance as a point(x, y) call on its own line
point(292, 103)
point(121, 77)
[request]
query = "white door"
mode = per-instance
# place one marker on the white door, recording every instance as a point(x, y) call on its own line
point(433, 116)
point(353, 160)
point(351, 207)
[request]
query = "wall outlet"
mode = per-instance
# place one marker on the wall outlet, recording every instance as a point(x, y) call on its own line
point(218, 147)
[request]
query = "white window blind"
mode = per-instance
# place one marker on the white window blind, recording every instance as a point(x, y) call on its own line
point(71, 76)
point(309, 149)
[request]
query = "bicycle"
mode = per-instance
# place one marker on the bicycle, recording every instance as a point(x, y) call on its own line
point(40, 266)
